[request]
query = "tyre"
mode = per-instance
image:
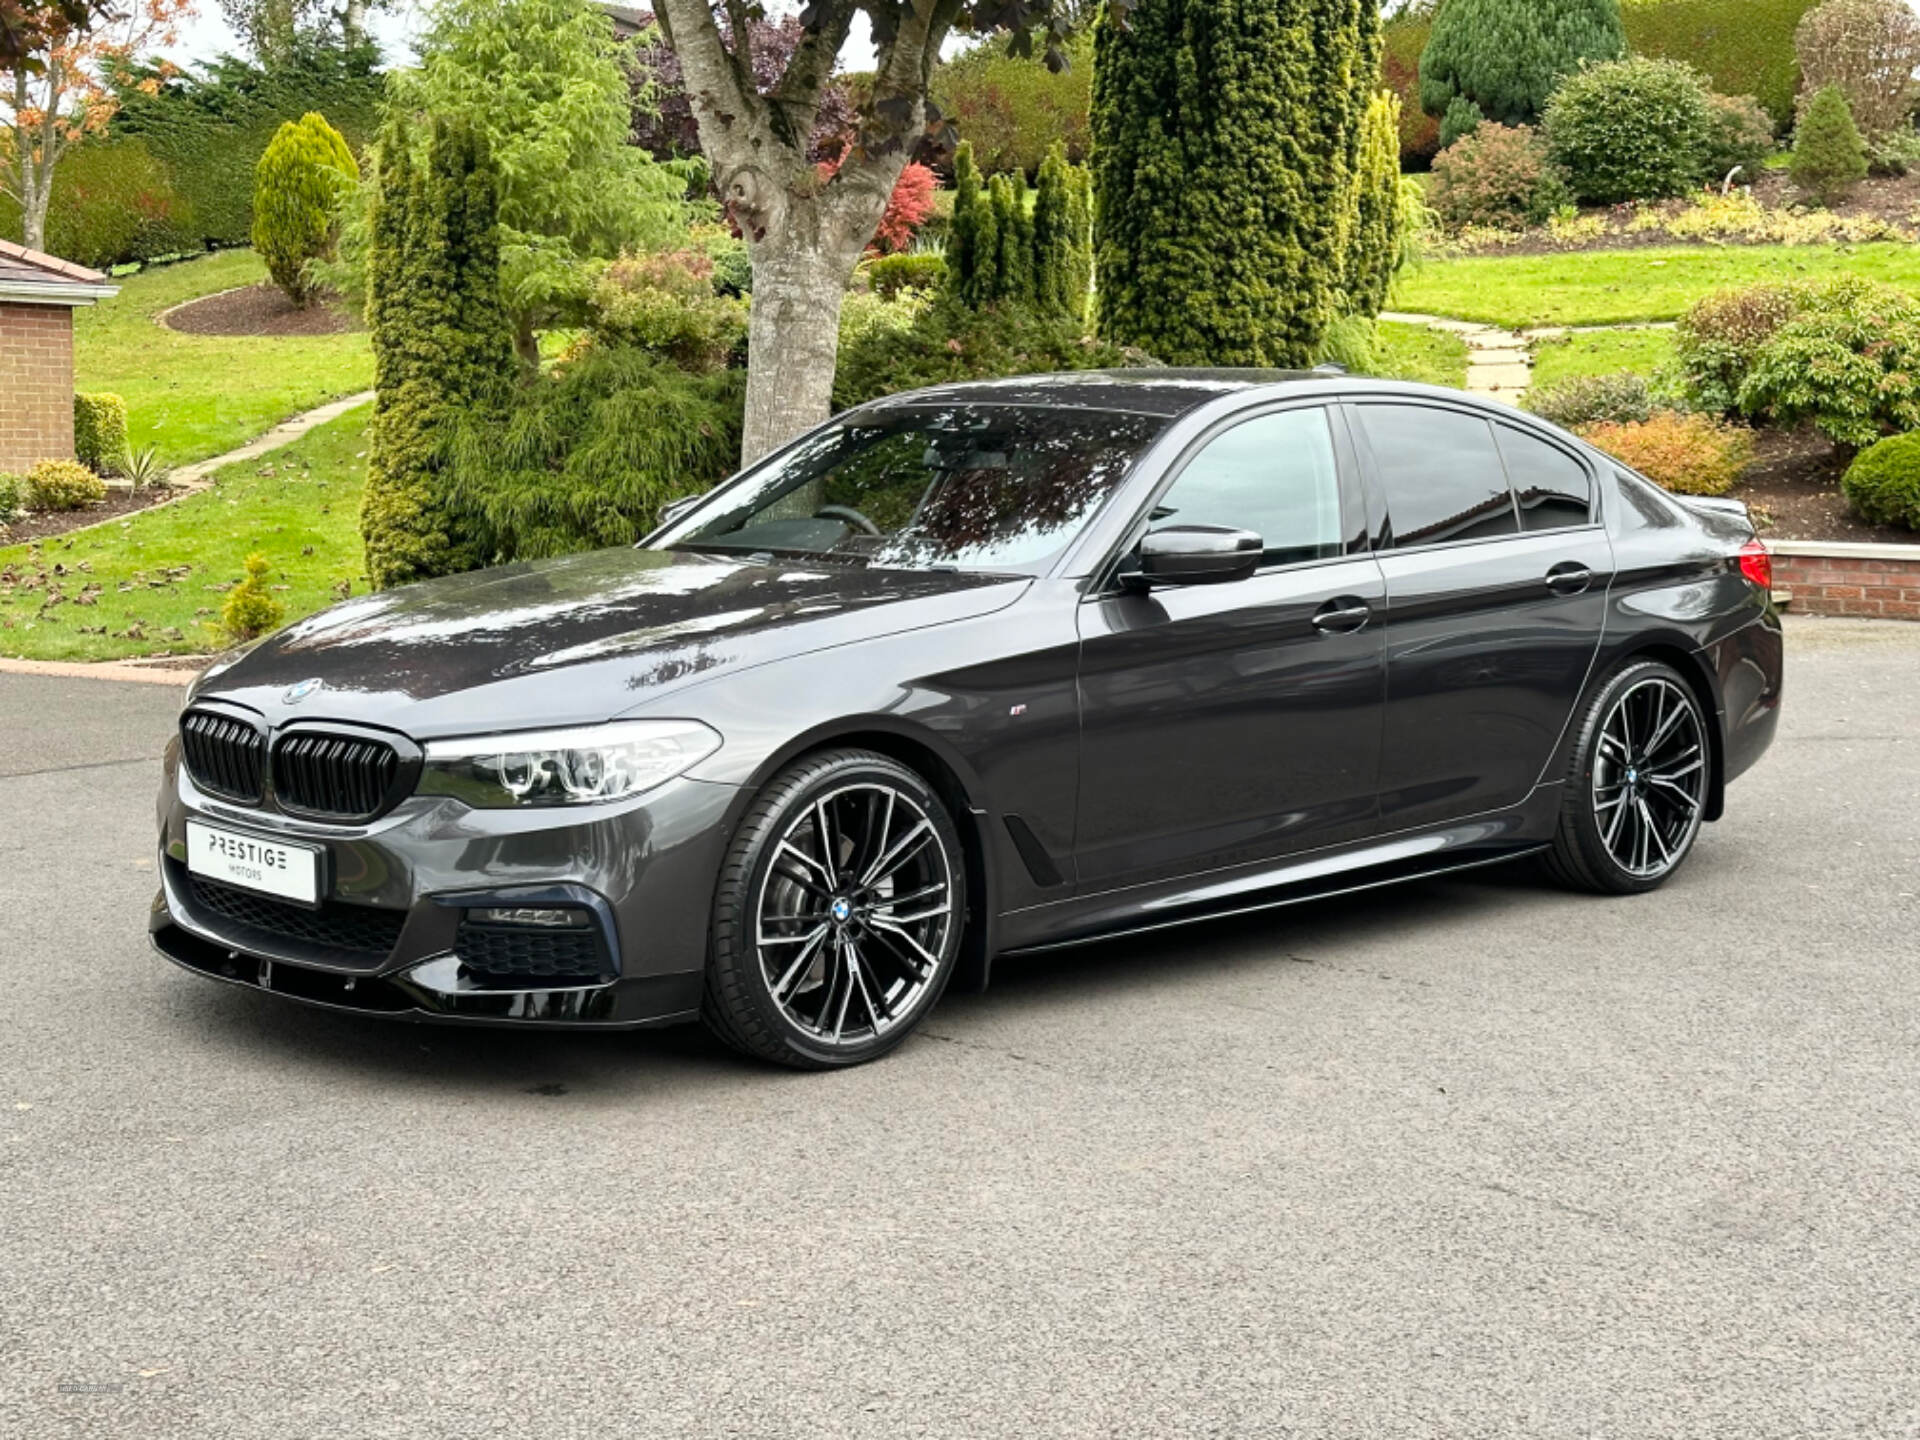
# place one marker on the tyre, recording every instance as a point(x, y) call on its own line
point(838, 918)
point(1637, 789)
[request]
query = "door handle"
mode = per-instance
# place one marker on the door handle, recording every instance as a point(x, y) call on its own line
point(1569, 578)
point(1342, 616)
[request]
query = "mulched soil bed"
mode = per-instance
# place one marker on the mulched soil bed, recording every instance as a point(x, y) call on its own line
point(117, 505)
point(259, 310)
point(1894, 200)
point(1796, 481)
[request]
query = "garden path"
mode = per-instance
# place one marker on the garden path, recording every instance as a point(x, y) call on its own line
point(1500, 362)
point(198, 475)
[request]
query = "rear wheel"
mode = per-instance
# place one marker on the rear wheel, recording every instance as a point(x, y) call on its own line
point(1637, 791)
point(838, 918)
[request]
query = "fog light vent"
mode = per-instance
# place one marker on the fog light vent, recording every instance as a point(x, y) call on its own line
point(541, 918)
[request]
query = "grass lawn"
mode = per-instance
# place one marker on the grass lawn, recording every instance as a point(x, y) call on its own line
point(1614, 287)
point(1605, 353)
point(1413, 352)
point(157, 576)
point(197, 395)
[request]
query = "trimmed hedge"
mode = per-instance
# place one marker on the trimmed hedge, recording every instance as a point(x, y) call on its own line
point(888, 275)
point(1744, 47)
point(174, 172)
point(1883, 483)
point(100, 432)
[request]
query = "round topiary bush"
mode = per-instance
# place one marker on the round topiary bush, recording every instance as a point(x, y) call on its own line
point(1883, 483)
point(1631, 130)
point(1497, 176)
point(1829, 157)
point(297, 187)
point(63, 485)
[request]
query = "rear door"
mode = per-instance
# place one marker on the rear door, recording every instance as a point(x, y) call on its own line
point(1225, 724)
point(1496, 571)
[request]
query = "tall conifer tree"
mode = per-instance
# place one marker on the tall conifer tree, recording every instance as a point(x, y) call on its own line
point(1225, 143)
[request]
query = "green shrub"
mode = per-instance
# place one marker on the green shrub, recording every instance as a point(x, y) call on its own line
point(888, 275)
point(951, 341)
point(1869, 49)
point(1739, 136)
point(1374, 250)
point(1829, 158)
point(1004, 249)
point(1620, 399)
point(665, 304)
point(1509, 56)
point(1847, 362)
point(1745, 47)
point(1883, 483)
point(63, 485)
point(100, 432)
point(1013, 109)
point(1497, 176)
point(1688, 454)
point(1721, 336)
point(303, 175)
point(1225, 142)
point(13, 496)
point(1630, 130)
point(1894, 154)
point(1463, 117)
point(585, 457)
point(1352, 343)
point(1402, 39)
point(441, 344)
point(250, 609)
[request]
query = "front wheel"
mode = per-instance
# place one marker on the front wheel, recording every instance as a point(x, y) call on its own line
point(838, 917)
point(1637, 790)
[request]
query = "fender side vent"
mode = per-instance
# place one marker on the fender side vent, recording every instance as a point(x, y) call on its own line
point(1033, 854)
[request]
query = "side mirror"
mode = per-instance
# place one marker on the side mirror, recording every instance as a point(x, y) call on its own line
point(1196, 555)
point(674, 509)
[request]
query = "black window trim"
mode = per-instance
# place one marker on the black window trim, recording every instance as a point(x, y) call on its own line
point(1103, 579)
point(1376, 485)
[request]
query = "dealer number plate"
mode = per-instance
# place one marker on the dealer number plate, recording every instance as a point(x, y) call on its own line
point(290, 871)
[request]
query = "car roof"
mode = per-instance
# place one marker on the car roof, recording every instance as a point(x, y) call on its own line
point(1163, 392)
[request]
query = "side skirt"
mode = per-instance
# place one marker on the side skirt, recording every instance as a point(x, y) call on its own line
point(1294, 895)
point(1465, 844)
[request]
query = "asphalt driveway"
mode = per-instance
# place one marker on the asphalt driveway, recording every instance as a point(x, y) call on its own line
point(1471, 1158)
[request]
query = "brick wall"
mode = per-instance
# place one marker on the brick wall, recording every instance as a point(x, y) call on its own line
point(36, 384)
point(1872, 580)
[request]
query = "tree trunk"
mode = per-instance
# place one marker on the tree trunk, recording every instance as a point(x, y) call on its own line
point(526, 343)
point(793, 337)
point(33, 223)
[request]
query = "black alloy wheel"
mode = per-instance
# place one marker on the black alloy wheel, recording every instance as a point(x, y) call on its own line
point(1637, 791)
point(839, 913)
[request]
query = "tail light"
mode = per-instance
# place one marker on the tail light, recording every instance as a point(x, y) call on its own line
point(1756, 563)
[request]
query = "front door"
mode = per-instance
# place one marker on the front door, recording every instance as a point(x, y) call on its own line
point(1226, 724)
point(1497, 574)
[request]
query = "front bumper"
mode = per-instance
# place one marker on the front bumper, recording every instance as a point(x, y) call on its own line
point(394, 893)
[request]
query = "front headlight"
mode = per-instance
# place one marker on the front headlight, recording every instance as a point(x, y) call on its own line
point(583, 766)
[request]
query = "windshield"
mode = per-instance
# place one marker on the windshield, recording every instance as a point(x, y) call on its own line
point(970, 487)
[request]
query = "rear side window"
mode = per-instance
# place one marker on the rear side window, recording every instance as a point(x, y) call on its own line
point(1552, 487)
point(1442, 473)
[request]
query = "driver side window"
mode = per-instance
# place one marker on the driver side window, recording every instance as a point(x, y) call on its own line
point(1275, 475)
